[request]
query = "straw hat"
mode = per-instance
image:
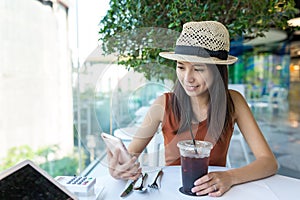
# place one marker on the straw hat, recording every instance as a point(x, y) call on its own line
point(204, 42)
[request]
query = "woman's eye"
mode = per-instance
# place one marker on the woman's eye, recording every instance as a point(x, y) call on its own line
point(180, 67)
point(199, 70)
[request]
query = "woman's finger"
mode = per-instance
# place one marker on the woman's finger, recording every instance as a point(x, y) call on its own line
point(204, 179)
point(131, 169)
point(217, 193)
point(131, 175)
point(115, 168)
point(128, 170)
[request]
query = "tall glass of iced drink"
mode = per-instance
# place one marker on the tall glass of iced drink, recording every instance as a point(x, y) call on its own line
point(194, 162)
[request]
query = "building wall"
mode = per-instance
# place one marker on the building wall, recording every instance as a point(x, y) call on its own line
point(35, 76)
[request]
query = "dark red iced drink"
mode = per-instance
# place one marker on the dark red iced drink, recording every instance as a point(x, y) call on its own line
point(194, 162)
point(192, 169)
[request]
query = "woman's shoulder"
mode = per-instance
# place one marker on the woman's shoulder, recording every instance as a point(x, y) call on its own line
point(169, 94)
point(159, 105)
point(236, 95)
point(166, 96)
point(238, 100)
point(163, 98)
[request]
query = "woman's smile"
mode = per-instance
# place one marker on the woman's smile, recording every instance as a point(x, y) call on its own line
point(191, 88)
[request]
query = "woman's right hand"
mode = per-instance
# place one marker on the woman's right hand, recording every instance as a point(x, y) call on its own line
point(127, 170)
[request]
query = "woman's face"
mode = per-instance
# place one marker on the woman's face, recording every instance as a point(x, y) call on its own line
point(195, 78)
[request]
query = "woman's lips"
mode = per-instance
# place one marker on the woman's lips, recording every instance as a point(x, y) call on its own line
point(191, 88)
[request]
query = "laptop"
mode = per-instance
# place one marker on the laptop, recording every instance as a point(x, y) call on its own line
point(28, 181)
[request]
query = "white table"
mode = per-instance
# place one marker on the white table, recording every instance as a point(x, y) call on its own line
point(276, 187)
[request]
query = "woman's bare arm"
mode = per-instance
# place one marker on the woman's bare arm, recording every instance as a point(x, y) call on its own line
point(265, 163)
point(148, 127)
point(131, 169)
point(263, 166)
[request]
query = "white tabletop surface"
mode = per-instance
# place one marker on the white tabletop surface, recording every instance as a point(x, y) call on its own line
point(276, 187)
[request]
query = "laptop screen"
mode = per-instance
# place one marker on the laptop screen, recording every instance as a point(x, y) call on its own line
point(27, 183)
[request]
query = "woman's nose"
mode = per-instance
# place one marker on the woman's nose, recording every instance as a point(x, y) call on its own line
point(189, 76)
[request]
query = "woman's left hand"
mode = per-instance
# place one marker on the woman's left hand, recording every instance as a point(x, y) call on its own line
point(214, 184)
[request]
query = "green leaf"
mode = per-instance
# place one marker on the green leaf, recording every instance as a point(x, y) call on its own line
point(240, 17)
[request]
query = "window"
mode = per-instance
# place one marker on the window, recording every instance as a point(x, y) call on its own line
point(36, 87)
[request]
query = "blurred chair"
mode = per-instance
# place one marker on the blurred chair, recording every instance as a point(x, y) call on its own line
point(277, 98)
point(253, 94)
point(156, 150)
point(237, 135)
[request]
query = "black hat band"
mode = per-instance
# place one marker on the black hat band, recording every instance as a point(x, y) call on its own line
point(202, 52)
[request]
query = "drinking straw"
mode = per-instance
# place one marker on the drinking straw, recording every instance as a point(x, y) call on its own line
point(193, 138)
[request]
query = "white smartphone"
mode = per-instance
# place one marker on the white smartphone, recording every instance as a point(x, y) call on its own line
point(113, 143)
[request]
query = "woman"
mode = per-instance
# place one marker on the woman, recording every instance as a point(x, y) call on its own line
point(202, 105)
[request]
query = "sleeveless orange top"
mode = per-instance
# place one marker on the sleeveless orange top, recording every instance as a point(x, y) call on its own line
point(169, 129)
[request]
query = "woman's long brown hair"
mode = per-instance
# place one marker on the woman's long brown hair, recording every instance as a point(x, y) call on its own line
point(220, 107)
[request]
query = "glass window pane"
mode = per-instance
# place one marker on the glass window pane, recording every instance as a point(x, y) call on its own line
point(36, 118)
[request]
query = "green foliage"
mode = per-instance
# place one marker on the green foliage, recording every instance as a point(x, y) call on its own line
point(47, 150)
point(65, 166)
point(122, 29)
point(58, 166)
point(16, 155)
